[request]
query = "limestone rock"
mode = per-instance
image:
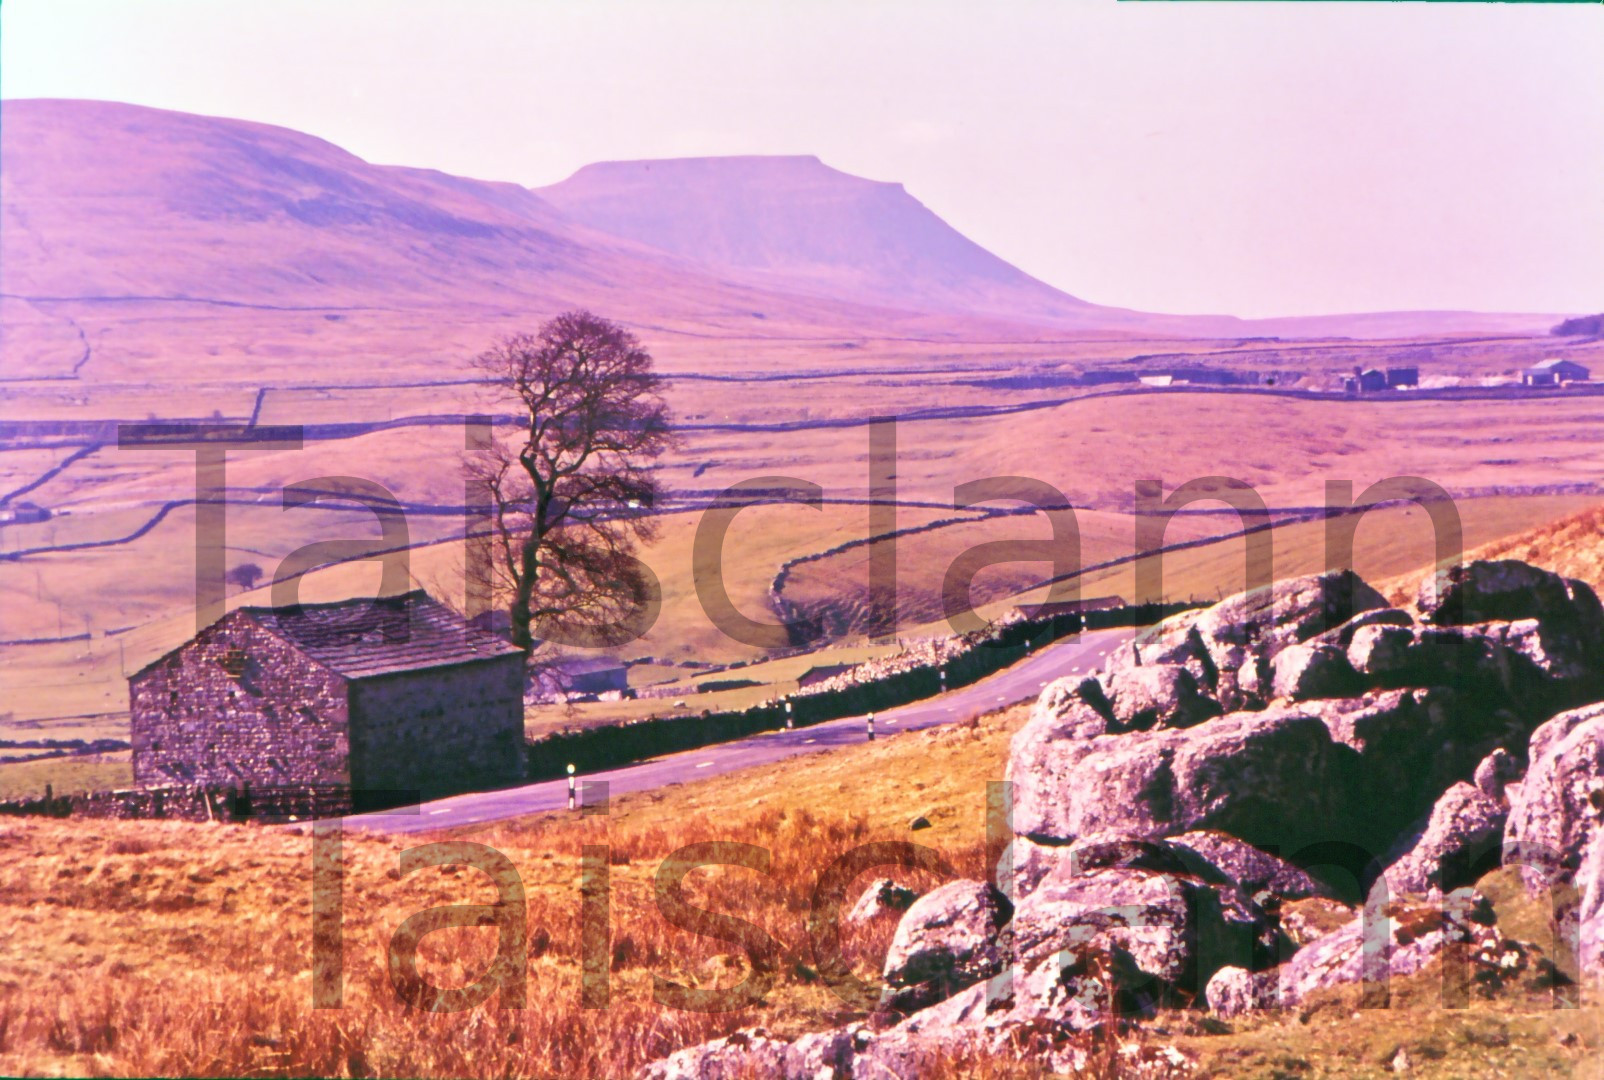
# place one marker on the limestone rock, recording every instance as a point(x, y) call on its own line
point(1411, 745)
point(1157, 695)
point(1463, 833)
point(1235, 991)
point(1258, 873)
point(1301, 672)
point(1271, 778)
point(1291, 611)
point(1381, 650)
point(1556, 812)
point(882, 897)
point(949, 939)
point(1506, 590)
point(748, 1052)
point(1496, 772)
point(1175, 929)
point(1344, 635)
point(1385, 942)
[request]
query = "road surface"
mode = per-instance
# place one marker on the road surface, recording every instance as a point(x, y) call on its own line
point(1017, 683)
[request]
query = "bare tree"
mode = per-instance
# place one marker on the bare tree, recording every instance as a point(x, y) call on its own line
point(571, 494)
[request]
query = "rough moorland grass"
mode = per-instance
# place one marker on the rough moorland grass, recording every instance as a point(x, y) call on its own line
point(173, 949)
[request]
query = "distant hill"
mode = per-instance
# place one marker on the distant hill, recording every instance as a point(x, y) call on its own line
point(107, 201)
point(103, 203)
point(802, 225)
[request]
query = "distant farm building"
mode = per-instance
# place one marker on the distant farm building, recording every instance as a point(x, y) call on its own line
point(23, 513)
point(395, 695)
point(1403, 376)
point(1554, 372)
point(1365, 381)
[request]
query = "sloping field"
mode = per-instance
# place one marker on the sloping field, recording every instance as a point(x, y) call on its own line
point(1388, 541)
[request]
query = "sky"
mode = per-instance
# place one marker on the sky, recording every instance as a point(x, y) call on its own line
point(1257, 159)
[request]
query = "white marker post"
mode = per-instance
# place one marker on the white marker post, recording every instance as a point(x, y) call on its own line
point(871, 727)
point(570, 787)
point(943, 678)
point(788, 714)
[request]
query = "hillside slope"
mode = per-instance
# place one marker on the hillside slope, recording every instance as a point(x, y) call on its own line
point(110, 203)
point(1572, 546)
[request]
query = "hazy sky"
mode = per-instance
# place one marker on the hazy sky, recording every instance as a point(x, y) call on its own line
point(1253, 158)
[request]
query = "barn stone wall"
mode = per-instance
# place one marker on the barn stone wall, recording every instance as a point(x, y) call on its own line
point(439, 730)
point(238, 706)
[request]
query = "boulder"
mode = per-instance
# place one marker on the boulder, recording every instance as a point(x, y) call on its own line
point(1386, 942)
point(1380, 651)
point(1023, 863)
point(1176, 929)
point(1496, 772)
point(1156, 695)
point(949, 938)
point(1411, 745)
point(1272, 778)
point(1507, 590)
point(1555, 813)
point(1235, 991)
point(1301, 672)
point(1080, 987)
point(1453, 846)
point(1343, 635)
point(1291, 611)
point(1253, 679)
point(882, 897)
point(824, 1055)
point(1216, 856)
point(748, 1052)
point(1061, 712)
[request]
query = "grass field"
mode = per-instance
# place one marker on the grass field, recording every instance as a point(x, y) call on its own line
point(65, 776)
point(170, 949)
point(78, 689)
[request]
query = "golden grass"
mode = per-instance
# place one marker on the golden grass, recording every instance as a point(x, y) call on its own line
point(171, 949)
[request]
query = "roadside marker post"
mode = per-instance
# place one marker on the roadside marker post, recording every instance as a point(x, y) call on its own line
point(871, 727)
point(570, 787)
point(788, 724)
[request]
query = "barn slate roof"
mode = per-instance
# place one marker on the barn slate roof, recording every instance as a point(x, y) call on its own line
point(369, 636)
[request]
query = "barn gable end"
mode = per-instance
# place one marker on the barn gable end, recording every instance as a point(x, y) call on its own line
point(395, 695)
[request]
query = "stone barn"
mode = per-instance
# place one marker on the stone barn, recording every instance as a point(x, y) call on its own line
point(1554, 371)
point(395, 694)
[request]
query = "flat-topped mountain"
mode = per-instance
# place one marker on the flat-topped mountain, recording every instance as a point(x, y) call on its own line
point(805, 225)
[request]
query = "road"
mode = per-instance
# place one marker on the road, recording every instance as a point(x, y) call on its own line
point(1017, 683)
